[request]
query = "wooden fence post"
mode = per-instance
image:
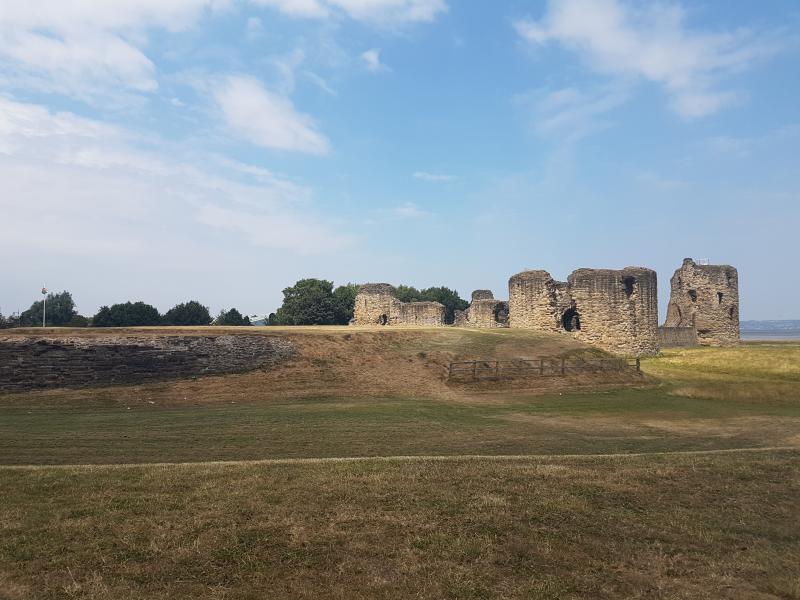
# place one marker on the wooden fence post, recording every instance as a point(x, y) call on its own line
point(563, 365)
point(541, 367)
point(475, 370)
point(638, 365)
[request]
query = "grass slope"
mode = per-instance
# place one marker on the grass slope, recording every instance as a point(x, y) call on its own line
point(658, 526)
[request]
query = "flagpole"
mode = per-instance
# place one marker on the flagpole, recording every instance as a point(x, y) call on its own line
point(44, 306)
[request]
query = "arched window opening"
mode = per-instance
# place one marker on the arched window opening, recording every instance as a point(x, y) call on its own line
point(719, 297)
point(571, 319)
point(500, 314)
point(693, 295)
point(629, 283)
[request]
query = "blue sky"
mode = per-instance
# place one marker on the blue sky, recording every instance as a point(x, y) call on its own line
point(167, 150)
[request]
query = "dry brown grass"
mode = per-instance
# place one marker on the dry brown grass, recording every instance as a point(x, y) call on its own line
point(715, 526)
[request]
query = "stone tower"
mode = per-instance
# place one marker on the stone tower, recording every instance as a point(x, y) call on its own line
point(615, 310)
point(483, 312)
point(705, 297)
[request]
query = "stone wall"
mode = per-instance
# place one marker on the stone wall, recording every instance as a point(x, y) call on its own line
point(677, 337)
point(614, 309)
point(536, 301)
point(705, 297)
point(483, 312)
point(31, 361)
point(482, 295)
point(376, 304)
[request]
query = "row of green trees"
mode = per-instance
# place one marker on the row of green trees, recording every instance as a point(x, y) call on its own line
point(61, 312)
point(307, 302)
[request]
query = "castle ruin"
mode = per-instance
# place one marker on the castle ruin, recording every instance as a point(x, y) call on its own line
point(614, 310)
point(705, 298)
point(377, 304)
point(483, 312)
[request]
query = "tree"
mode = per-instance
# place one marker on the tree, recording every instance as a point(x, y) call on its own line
point(60, 310)
point(450, 298)
point(307, 302)
point(78, 321)
point(408, 293)
point(188, 313)
point(129, 314)
point(344, 302)
point(231, 317)
point(9, 321)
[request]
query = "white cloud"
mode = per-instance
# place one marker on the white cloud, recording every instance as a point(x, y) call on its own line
point(571, 114)
point(408, 210)
point(372, 61)
point(319, 82)
point(97, 49)
point(385, 12)
point(266, 119)
point(650, 41)
point(96, 190)
point(88, 48)
point(433, 177)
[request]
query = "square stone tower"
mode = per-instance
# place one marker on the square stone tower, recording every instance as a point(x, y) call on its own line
point(705, 297)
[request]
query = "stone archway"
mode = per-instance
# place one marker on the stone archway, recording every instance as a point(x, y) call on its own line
point(571, 319)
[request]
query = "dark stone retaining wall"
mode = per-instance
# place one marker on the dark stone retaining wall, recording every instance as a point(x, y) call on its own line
point(37, 362)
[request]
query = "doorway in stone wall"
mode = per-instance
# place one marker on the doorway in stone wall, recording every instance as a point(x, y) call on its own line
point(383, 320)
point(571, 319)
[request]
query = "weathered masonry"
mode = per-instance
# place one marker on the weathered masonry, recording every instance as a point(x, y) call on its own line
point(484, 311)
point(46, 361)
point(705, 298)
point(377, 304)
point(613, 309)
point(677, 337)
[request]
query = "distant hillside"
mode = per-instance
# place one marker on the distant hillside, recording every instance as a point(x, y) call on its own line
point(787, 325)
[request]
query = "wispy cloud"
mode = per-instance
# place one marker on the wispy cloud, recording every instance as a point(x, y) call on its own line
point(376, 11)
point(114, 196)
point(743, 147)
point(433, 177)
point(88, 49)
point(372, 61)
point(653, 42)
point(570, 114)
point(267, 119)
point(408, 210)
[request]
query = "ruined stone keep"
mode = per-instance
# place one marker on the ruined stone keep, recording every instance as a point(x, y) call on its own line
point(614, 309)
point(377, 304)
point(706, 298)
point(484, 311)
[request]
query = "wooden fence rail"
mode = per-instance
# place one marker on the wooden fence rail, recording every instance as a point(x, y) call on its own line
point(538, 367)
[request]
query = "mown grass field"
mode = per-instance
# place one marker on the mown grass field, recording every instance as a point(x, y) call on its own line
point(541, 524)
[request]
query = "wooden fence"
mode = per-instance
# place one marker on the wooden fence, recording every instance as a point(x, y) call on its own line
point(473, 370)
